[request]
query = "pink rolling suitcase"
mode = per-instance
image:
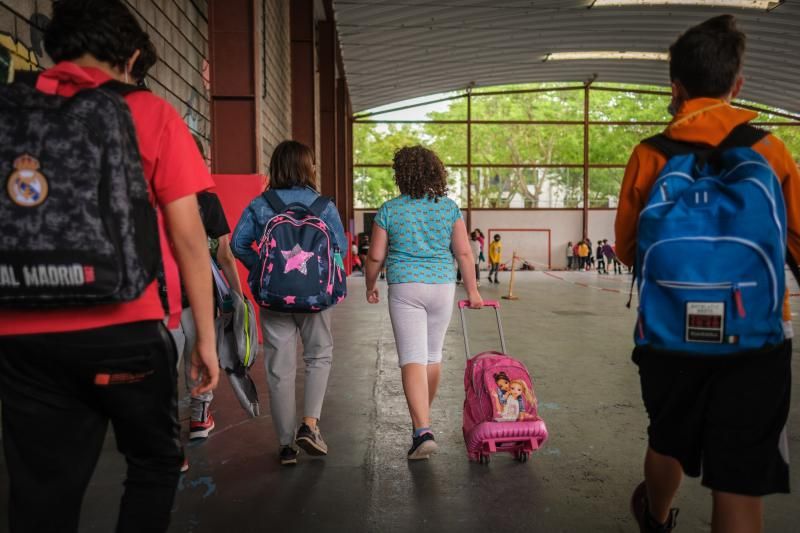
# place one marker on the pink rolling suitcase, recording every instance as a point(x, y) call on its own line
point(500, 408)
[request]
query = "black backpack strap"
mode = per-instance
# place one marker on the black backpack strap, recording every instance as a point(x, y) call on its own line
point(122, 89)
point(633, 283)
point(743, 135)
point(274, 201)
point(671, 148)
point(319, 205)
point(30, 78)
point(790, 260)
point(26, 77)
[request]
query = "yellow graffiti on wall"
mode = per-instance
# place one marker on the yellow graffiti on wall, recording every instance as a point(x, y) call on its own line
point(22, 57)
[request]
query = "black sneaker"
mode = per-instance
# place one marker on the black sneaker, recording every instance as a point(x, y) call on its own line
point(288, 455)
point(641, 512)
point(422, 447)
point(311, 440)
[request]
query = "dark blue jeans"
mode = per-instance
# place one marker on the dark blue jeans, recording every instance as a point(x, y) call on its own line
point(493, 268)
point(59, 391)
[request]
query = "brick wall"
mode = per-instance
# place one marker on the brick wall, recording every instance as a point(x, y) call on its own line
point(179, 31)
point(178, 28)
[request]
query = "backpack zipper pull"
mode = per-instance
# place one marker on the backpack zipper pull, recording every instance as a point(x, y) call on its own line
point(737, 297)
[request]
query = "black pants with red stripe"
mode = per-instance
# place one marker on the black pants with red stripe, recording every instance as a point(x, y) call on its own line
point(59, 391)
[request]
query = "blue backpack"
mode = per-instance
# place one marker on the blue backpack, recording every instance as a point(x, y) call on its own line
point(711, 249)
point(301, 269)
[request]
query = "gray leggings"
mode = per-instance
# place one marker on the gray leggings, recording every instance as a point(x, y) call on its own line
point(280, 355)
point(420, 314)
point(185, 337)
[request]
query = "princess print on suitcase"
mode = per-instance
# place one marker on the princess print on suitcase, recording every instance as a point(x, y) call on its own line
point(518, 397)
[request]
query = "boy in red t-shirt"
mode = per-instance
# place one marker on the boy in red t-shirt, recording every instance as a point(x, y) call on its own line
point(65, 373)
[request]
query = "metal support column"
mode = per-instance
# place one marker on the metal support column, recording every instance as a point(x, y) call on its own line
point(469, 159)
point(350, 222)
point(342, 201)
point(302, 71)
point(586, 160)
point(326, 167)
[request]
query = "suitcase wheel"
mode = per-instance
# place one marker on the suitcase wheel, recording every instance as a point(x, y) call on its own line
point(484, 459)
point(522, 457)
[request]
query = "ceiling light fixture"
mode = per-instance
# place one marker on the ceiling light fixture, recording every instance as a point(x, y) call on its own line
point(764, 5)
point(647, 56)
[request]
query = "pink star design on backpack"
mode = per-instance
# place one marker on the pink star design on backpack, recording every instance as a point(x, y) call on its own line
point(296, 259)
point(289, 300)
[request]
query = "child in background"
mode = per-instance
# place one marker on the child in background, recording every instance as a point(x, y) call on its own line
point(583, 255)
point(495, 254)
point(482, 241)
point(357, 264)
point(601, 260)
point(475, 246)
point(570, 255)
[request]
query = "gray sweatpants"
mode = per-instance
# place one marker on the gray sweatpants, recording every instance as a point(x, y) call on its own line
point(280, 356)
point(185, 337)
point(420, 314)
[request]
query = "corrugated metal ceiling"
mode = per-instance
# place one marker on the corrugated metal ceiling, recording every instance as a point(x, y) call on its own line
point(395, 50)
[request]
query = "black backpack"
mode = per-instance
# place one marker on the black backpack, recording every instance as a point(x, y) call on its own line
point(76, 224)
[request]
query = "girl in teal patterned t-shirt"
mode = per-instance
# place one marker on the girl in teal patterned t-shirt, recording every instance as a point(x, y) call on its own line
point(422, 231)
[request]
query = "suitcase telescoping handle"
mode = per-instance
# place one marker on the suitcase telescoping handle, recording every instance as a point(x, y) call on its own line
point(462, 304)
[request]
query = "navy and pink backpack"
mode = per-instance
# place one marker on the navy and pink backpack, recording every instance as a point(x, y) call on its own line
point(300, 266)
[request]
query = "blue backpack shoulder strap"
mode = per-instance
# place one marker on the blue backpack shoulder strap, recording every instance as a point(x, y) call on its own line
point(319, 205)
point(274, 201)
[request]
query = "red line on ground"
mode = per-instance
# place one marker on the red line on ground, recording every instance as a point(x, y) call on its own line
point(586, 285)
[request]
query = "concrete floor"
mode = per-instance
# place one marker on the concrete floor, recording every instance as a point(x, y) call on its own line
point(574, 337)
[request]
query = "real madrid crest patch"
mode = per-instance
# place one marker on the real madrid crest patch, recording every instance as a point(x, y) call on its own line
point(27, 187)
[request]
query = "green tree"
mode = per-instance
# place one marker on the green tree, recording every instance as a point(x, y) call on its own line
point(518, 146)
point(375, 144)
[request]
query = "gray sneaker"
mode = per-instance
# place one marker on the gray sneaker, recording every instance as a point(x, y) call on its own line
point(311, 441)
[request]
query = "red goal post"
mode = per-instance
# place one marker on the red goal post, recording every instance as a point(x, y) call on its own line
point(543, 236)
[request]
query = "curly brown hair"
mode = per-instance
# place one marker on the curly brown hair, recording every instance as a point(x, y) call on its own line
point(419, 173)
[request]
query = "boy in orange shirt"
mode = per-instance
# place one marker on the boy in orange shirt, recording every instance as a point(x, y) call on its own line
point(698, 407)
